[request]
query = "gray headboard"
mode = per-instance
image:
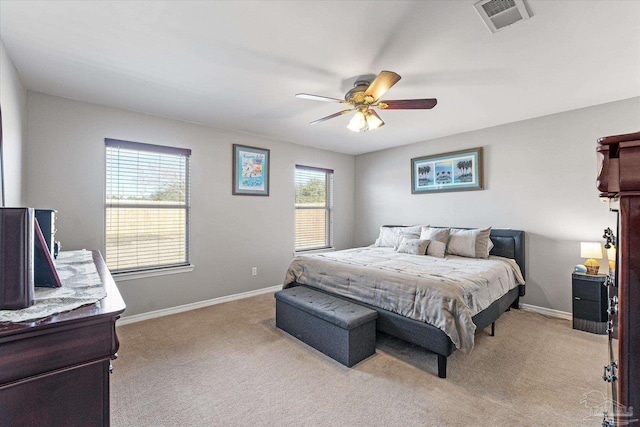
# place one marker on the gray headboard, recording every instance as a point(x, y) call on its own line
point(506, 243)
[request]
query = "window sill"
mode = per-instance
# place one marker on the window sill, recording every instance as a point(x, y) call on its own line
point(121, 277)
point(314, 251)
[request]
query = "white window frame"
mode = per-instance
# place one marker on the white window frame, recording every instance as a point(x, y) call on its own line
point(328, 208)
point(152, 270)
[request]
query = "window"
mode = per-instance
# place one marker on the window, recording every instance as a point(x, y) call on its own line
point(146, 206)
point(314, 208)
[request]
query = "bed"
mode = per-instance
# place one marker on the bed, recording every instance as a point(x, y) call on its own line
point(466, 294)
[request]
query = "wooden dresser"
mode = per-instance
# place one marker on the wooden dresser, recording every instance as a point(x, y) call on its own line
point(55, 371)
point(619, 180)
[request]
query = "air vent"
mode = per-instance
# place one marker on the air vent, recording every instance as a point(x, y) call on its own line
point(498, 14)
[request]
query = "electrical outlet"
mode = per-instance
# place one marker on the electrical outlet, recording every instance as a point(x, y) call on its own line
point(254, 271)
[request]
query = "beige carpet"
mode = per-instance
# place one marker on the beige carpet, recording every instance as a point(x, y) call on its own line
point(228, 365)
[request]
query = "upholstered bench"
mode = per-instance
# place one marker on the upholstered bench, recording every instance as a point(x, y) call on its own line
point(340, 329)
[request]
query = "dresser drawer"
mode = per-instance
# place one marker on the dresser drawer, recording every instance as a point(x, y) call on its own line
point(589, 290)
point(31, 354)
point(589, 310)
point(76, 397)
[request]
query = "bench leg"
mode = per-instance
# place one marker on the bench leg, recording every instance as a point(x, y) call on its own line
point(442, 366)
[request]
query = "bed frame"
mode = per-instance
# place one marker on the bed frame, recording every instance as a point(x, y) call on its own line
point(508, 244)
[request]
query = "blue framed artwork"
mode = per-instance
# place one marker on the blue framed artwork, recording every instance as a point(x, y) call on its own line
point(454, 171)
point(250, 171)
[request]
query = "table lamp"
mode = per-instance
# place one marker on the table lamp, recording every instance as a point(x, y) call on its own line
point(592, 251)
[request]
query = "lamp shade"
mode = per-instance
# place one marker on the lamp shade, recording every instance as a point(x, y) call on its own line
point(365, 120)
point(358, 123)
point(373, 120)
point(591, 250)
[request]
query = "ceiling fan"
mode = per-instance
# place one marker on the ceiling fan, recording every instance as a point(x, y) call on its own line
point(365, 96)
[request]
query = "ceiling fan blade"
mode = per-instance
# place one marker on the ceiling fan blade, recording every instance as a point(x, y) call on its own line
point(408, 104)
point(382, 83)
point(324, 119)
point(319, 98)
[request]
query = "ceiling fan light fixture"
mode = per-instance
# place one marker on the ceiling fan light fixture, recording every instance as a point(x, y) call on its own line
point(373, 120)
point(365, 95)
point(365, 120)
point(358, 123)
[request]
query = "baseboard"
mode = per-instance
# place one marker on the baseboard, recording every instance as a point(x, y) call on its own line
point(200, 304)
point(547, 311)
point(195, 305)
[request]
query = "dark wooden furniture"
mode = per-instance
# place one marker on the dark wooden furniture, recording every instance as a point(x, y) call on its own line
point(55, 371)
point(589, 302)
point(508, 244)
point(619, 180)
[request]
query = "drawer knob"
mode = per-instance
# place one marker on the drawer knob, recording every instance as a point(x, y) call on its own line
point(613, 305)
point(610, 327)
point(609, 375)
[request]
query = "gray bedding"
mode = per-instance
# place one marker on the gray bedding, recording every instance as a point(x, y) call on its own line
point(444, 292)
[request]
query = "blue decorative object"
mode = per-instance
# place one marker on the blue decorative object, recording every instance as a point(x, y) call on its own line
point(580, 269)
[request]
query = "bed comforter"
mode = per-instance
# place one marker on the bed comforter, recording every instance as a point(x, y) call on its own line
point(444, 292)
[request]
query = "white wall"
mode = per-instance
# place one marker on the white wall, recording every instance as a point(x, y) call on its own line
point(229, 234)
point(539, 177)
point(13, 104)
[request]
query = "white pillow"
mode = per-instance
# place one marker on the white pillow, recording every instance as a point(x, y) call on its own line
point(413, 246)
point(404, 235)
point(483, 242)
point(389, 236)
point(436, 249)
point(462, 243)
point(438, 238)
point(472, 243)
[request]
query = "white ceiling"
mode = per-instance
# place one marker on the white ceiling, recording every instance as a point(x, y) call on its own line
point(237, 65)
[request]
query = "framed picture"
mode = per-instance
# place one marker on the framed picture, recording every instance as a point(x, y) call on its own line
point(455, 171)
point(250, 171)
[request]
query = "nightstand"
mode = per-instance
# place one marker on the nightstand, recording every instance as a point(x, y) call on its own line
point(590, 302)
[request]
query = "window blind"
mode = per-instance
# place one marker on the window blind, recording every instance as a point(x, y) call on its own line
point(314, 208)
point(146, 206)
